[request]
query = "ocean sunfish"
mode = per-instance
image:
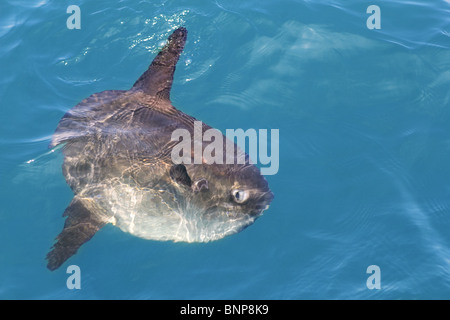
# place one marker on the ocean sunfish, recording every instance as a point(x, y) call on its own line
point(117, 148)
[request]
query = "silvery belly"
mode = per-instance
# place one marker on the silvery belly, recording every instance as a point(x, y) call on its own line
point(159, 214)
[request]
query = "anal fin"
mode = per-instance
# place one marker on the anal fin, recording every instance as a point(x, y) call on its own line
point(80, 226)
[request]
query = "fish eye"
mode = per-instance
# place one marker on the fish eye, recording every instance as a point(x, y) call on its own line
point(240, 196)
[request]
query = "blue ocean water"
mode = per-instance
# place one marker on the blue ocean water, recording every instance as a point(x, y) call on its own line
point(364, 166)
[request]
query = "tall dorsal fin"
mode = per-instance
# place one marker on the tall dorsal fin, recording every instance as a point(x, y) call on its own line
point(157, 80)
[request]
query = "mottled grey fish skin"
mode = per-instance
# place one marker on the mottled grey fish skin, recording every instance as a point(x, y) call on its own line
point(117, 161)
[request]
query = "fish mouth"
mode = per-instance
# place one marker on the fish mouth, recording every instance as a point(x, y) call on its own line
point(258, 211)
point(263, 207)
point(268, 197)
point(265, 200)
point(263, 203)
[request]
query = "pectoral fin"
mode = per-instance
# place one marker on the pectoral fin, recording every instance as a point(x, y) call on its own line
point(82, 222)
point(179, 174)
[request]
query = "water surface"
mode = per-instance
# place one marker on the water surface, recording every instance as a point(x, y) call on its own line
point(364, 176)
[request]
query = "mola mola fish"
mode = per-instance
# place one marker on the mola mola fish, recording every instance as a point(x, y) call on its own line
point(117, 150)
